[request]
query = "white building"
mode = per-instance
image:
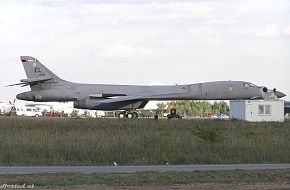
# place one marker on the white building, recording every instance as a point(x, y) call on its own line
point(256, 111)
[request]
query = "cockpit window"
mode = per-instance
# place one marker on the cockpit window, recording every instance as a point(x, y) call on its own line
point(252, 85)
point(247, 85)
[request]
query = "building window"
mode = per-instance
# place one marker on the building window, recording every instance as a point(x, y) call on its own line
point(268, 110)
point(264, 109)
point(261, 110)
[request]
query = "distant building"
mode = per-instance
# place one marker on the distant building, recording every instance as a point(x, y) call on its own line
point(257, 111)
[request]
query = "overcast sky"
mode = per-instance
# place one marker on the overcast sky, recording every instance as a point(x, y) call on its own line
point(139, 42)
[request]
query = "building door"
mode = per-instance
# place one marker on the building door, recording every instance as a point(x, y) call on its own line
point(249, 112)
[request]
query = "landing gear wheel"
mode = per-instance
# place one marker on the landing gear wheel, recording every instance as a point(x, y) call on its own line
point(121, 115)
point(130, 115)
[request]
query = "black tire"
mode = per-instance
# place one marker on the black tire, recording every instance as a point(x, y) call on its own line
point(121, 115)
point(130, 115)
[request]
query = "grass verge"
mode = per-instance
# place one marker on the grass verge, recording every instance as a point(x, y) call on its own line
point(57, 141)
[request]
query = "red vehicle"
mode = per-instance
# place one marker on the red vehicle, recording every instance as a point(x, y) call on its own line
point(51, 114)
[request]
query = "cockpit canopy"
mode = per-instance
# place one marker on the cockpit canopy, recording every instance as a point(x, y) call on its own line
point(248, 85)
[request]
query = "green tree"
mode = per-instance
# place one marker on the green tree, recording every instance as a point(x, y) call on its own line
point(198, 108)
point(160, 108)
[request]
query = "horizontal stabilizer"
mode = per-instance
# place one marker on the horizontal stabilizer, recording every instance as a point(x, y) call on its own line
point(30, 81)
point(17, 84)
point(35, 80)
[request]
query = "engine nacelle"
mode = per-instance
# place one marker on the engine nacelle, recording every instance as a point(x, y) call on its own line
point(93, 104)
point(85, 103)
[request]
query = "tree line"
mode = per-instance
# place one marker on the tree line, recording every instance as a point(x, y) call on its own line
point(194, 108)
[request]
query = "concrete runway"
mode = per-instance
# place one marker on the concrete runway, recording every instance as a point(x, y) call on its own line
point(133, 169)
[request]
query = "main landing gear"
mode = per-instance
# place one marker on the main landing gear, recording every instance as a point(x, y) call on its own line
point(128, 114)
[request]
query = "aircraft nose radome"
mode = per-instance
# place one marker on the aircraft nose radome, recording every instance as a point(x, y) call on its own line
point(280, 94)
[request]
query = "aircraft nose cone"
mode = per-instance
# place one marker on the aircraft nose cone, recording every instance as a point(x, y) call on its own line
point(280, 94)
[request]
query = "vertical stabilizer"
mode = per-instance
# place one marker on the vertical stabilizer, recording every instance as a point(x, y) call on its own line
point(35, 70)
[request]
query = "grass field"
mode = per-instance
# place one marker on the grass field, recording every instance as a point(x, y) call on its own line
point(65, 141)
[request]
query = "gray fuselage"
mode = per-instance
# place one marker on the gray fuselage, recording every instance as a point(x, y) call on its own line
point(68, 91)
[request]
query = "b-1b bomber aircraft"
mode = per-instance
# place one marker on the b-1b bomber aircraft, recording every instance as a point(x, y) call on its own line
point(48, 87)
